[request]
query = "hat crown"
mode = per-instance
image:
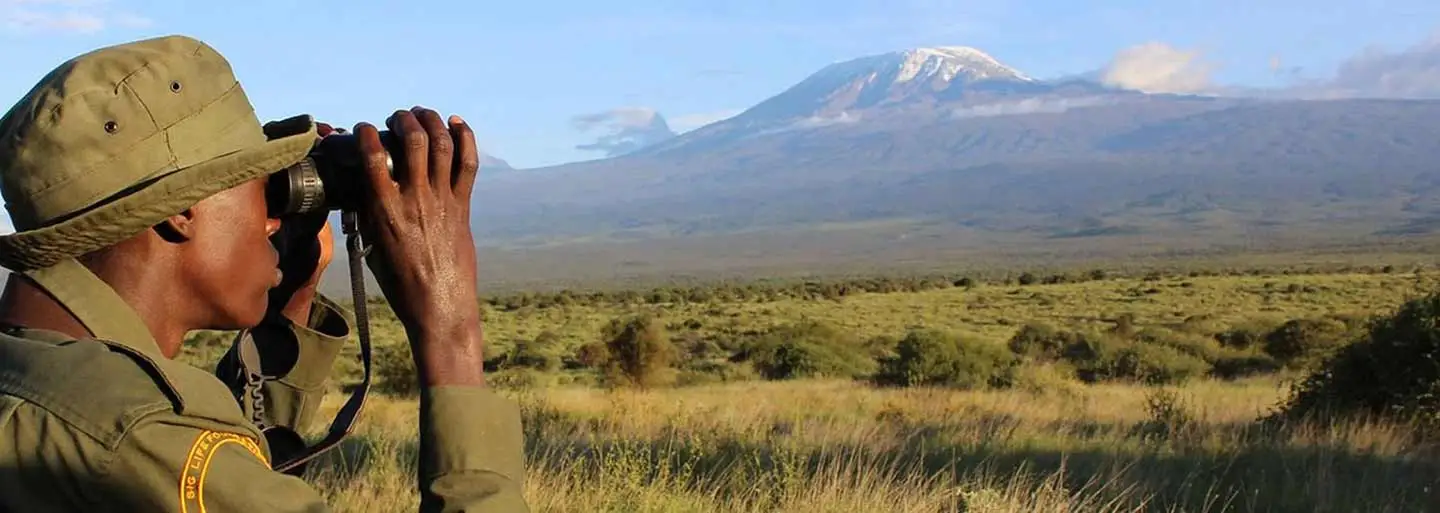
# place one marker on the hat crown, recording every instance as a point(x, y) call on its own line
point(112, 119)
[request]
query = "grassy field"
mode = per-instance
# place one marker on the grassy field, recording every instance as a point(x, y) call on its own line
point(721, 438)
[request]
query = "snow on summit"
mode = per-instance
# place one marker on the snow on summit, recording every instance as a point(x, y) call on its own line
point(843, 91)
point(934, 64)
point(947, 62)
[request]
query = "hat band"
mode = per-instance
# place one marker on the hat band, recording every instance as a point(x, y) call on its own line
point(222, 135)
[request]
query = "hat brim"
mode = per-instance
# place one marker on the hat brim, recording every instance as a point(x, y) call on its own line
point(135, 211)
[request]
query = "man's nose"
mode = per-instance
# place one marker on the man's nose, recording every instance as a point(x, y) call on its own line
point(272, 226)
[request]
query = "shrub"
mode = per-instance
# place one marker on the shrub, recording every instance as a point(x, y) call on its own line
point(807, 349)
point(1041, 342)
point(693, 347)
point(1394, 371)
point(541, 354)
point(1234, 367)
point(593, 355)
point(520, 379)
point(1245, 335)
point(1301, 342)
point(1194, 345)
point(931, 357)
point(640, 352)
point(1110, 358)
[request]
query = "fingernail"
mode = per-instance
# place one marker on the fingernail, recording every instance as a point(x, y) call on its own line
point(456, 120)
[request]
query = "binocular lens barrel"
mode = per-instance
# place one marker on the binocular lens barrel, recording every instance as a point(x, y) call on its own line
point(328, 179)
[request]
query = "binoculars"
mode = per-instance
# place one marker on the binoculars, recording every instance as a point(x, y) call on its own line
point(328, 179)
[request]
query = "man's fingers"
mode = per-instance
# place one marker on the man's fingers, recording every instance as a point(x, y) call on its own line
point(467, 159)
point(441, 147)
point(380, 187)
point(416, 144)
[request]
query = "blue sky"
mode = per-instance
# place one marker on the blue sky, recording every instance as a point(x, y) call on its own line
point(522, 72)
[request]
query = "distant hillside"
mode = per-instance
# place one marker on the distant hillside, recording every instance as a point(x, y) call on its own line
point(947, 149)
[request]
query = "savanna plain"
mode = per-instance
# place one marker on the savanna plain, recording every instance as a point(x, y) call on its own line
point(1277, 389)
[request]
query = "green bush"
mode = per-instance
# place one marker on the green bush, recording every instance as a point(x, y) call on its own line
point(1244, 336)
point(1109, 357)
point(930, 357)
point(1041, 342)
point(541, 354)
point(1199, 346)
point(1302, 342)
point(805, 350)
point(520, 379)
point(1394, 371)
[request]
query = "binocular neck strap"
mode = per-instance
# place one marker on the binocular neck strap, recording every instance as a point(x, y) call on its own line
point(344, 419)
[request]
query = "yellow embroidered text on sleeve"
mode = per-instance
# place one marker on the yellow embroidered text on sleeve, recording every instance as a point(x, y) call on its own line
point(197, 465)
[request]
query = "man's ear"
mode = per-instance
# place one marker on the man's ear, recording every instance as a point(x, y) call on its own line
point(177, 228)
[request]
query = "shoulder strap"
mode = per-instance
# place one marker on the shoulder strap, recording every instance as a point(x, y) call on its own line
point(290, 451)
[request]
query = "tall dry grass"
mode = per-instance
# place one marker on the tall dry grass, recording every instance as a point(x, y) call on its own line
point(828, 446)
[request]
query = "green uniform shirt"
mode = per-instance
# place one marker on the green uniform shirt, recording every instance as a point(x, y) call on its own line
point(111, 425)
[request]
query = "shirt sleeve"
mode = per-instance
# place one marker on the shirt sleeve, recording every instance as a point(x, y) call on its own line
point(293, 398)
point(175, 464)
point(297, 361)
point(471, 460)
point(472, 451)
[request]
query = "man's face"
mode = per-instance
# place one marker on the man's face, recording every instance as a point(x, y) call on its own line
point(230, 261)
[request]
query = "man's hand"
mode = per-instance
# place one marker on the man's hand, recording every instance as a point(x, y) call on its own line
point(424, 253)
point(306, 246)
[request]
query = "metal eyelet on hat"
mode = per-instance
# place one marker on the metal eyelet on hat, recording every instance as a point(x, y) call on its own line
point(112, 127)
point(175, 86)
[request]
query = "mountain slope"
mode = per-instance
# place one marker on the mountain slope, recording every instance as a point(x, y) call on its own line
point(951, 137)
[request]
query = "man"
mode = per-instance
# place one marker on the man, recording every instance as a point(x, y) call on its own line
point(135, 179)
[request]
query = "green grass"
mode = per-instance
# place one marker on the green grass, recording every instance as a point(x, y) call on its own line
point(1050, 443)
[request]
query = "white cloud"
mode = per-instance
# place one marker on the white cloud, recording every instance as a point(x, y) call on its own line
point(1157, 67)
point(65, 16)
point(1410, 73)
point(630, 129)
point(1026, 106)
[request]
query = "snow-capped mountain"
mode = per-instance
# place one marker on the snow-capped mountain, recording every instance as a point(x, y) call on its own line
point(953, 136)
point(916, 84)
point(890, 79)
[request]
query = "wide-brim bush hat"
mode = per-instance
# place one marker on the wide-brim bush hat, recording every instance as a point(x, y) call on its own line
point(114, 141)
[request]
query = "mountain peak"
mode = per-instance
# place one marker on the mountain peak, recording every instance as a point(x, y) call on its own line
point(949, 62)
point(896, 78)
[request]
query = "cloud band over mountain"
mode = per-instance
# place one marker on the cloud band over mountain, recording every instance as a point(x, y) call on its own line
point(628, 129)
